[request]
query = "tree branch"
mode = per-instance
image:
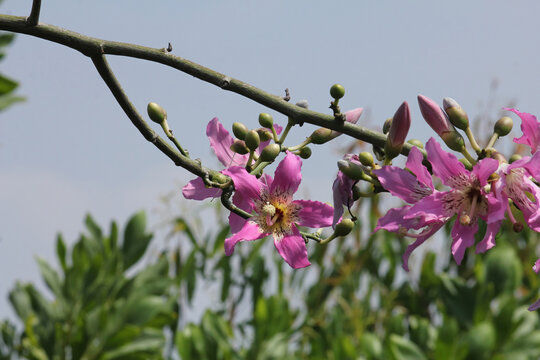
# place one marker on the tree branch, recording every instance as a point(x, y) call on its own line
point(94, 47)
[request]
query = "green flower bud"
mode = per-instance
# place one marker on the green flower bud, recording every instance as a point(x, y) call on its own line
point(270, 152)
point(156, 113)
point(350, 169)
point(387, 125)
point(514, 157)
point(366, 159)
point(503, 126)
point(252, 140)
point(320, 136)
point(416, 142)
point(467, 164)
point(239, 130)
point(337, 91)
point(239, 147)
point(219, 178)
point(344, 227)
point(264, 134)
point(457, 116)
point(305, 152)
point(356, 192)
point(266, 120)
point(453, 140)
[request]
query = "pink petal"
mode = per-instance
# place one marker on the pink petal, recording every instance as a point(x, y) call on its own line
point(445, 165)
point(401, 183)
point(533, 166)
point(292, 249)
point(484, 168)
point(536, 266)
point(433, 114)
point(249, 232)
point(489, 239)
point(314, 214)
point(530, 128)
point(342, 195)
point(419, 241)
point(236, 222)
point(430, 209)
point(287, 176)
point(196, 190)
point(221, 141)
point(244, 183)
point(463, 236)
point(353, 115)
point(534, 306)
point(414, 163)
point(393, 220)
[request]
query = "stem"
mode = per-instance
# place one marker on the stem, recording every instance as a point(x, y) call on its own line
point(93, 47)
point(472, 140)
point(259, 166)
point(492, 140)
point(301, 145)
point(314, 237)
point(250, 159)
point(177, 144)
point(226, 201)
point(33, 18)
point(274, 134)
point(468, 156)
point(285, 132)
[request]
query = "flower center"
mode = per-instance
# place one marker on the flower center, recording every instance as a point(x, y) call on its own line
point(276, 213)
point(465, 200)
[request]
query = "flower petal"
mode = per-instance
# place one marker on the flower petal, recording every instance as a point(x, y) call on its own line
point(221, 141)
point(249, 232)
point(401, 183)
point(414, 163)
point(244, 183)
point(533, 166)
point(287, 176)
point(484, 168)
point(342, 195)
point(393, 220)
point(314, 214)
point(196, 190)
point(292, 249)
point(463, 236)
point(530, 128)
point(445, 165)
point(534, 306)
point(236, 222)
point(489, 239)
point(429, 209)
point(419, 241)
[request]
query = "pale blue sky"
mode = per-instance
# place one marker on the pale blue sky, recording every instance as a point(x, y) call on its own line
point(70, 150)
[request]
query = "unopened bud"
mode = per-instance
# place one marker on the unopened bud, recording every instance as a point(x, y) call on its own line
point(515, 157)
point(453, 140)
point(337, 91)
point(467, 163)
point(320, 136)
point(252, 140)
point(386, 126)
point(366, 159)
point(458, 117)
point(416, 142)
point(264, 134)
point(356, 192)
point(344, 227)
point(434, 116)
point(239, 130)
point(498, 156)
point(398, 131)
point(266, 120)
point(305, 152)
point(503, 126)
point(350, 169)
point(270, 152)
point(239, 147)
point(156, 113)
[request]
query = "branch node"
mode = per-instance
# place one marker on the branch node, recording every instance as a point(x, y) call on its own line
point(225, 82)
point(169, 48)
point(33, 18)
point(287, 96)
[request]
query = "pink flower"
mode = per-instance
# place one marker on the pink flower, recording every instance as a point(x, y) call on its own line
point(401, 122)
point(467, 199)
point(530, 128)
point(434, 116)
point(275, 212)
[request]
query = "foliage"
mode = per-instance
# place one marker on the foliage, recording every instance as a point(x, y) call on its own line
point(353, 302)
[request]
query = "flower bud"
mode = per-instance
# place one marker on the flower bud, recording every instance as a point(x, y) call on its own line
point(156, 113)
point(337, 91)
point(270, 152)
point(458, 117)
point(264, 134)
point(350, 169)
point(266, 120)
point(499, 157)
point(453, 140)
point(239, 147)
point(398, 131)
point(503, 126)
point(344, 227)
point(305, 152)
point(434, 116)
point(515, 157)
point(467, 163)
point(320, 136)
point(366, 158)
point(386, 126)
point(417, 143)
point(239, 130)
point(252, 140)
point(356, 192)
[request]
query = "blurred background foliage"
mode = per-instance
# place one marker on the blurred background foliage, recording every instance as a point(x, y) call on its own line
point(190, 301)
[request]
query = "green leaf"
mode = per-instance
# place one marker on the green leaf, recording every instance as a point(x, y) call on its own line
point(8, 100)
point(135, 239)
point(403, 349)
point(6, 39)
point(61, 251)
point(148, 344)
point(7, 85)
point(50, 276)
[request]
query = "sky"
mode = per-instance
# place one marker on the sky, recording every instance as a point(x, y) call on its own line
point(69, 150)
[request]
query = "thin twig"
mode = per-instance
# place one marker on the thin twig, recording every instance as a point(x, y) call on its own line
point(33, 18)
point(226, 201)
